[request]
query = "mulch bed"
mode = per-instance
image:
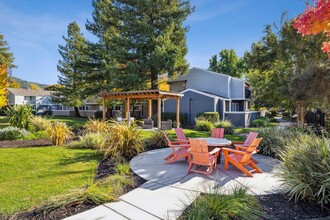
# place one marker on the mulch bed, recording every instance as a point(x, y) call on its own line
point(105, 168)
point(25, 143)
point(278, 207)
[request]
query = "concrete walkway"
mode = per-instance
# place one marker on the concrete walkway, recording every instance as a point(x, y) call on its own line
point(169, 190)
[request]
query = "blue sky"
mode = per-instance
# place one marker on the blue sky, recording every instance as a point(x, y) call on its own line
point(34, 29)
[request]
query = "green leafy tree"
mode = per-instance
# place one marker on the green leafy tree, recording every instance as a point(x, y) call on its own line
point(228, 63)
point(139, 40)
point(72, 69)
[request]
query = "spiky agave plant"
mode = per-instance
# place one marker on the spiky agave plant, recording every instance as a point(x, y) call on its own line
point(59, 132)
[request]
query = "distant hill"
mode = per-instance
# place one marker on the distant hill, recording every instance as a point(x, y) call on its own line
point(26, 84)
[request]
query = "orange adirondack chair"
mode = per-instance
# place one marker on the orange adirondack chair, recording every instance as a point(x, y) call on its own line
point(180, 150)
point(180, 135)
point(240, 158)
point(202, 157)
point(244, 145)
point(218, 132)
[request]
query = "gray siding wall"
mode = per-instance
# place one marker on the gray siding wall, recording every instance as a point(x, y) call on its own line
point(177, 86)
point(243, 119)
point(208, 82)
point(199, 103)
point(237, 88)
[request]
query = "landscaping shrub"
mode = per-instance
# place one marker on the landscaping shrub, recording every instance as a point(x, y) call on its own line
point(274, 140)
point(212, 117)
point(59, 132)
point(94, 125)
point(98, 114)
point(260, 122)
point(305, 168)
point(40, 123)
point(124, 139)
point(157, 140)
point(203, 125)
point(19, 116)
point(227, 125)
point(36, 135)
point(90, 141)
point(238, 205)
point(172, 116)
point(13, 133)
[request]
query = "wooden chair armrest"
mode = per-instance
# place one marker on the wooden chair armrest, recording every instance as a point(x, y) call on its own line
point(237, 142)
point(214, 151)
point(233, 151)
point(181, 145)
point(180, 142)
point(237, 147)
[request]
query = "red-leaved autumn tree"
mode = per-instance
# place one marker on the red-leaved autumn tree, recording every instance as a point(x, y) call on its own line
point(315, 20)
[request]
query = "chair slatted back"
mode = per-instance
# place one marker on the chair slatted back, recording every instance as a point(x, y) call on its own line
point(218, 132)
point(180, 134)
point(199, 152)
point(251, 148)
point(252, 135)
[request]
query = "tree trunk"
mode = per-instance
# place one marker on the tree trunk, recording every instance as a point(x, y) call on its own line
point(109, 112)
point(154, 78)
point(76, 112)
point(301, 112)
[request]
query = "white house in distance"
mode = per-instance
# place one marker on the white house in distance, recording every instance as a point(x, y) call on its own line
point(41, 101)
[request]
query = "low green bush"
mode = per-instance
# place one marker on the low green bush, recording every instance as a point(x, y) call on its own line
point(274, 140)
point(260, 122)
point(227, 125)
point(13, 133)
point(305, 168)
point(238, 205)
point(36, 135)
point(203, 125)
point(212, 117)
point(157, 140)
point(19, 116)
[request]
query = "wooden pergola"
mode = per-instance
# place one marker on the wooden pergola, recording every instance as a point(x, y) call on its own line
point(144, 95)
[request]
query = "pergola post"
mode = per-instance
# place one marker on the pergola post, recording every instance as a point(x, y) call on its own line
point(103, 109)
point(159, 113)
point(177, 113)
point(127, 115)
point(149, 108)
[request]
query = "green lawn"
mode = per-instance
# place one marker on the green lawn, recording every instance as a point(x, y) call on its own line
point(71, 121)
point(29, 176)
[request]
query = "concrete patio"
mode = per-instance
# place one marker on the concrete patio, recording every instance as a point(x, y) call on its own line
point(169, 189)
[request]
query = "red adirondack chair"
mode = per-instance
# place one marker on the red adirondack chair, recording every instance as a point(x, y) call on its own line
point(244, 145)
point(180, 135)
point(241, 158)
point(218, 132)
point(202, 157)
point(180, 150)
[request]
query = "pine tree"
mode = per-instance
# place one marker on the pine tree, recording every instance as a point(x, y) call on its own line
point(72, 69)
point(140, 39)
point(6, 63)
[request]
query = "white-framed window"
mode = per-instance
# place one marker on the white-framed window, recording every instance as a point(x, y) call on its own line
point(118, 107)
point(234, 107)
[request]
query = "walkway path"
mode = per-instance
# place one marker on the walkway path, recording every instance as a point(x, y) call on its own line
point(169, 190)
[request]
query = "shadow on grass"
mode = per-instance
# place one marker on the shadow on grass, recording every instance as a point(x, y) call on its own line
point(81, 157)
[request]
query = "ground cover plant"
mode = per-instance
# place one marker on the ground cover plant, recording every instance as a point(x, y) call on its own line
point(305, 168)
point(237, 205)
point(35, 174)
point(13, 133)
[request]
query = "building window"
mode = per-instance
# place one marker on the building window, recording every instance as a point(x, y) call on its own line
point(118, 107)
point(227, 106)
point(234, 107)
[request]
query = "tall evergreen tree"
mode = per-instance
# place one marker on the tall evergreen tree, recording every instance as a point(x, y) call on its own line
point(140, 39)
point(6, 63)
point(72, 69)
point(228, 63)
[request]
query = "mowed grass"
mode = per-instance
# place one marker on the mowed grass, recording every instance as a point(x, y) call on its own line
point(73, 122)
point(28, 176)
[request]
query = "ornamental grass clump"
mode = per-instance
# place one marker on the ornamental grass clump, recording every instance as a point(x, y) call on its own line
point(40, 123)
point(90, 141)
point(96, 126)
point(274, 140)
point(203, 125)
point(238, 205)
point(305, 168)
point(59, 133)
point(157, 140)
point(124, 140)
point(19, 116)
